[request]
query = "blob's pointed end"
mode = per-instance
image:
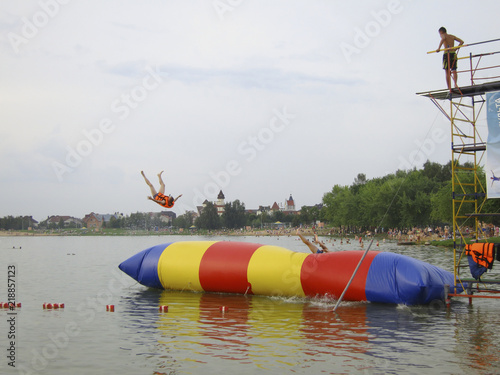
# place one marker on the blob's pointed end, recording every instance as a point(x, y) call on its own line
point(132, 265)
point(143, 266)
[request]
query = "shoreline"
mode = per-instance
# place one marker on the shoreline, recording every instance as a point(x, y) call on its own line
point(289, 232)
point(433, 241)
point(111, 232)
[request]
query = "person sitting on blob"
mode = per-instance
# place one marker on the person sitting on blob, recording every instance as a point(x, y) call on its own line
point(311, 247)
point(160, 197)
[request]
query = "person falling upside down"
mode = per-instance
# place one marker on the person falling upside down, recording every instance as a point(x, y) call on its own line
point(160, 197)
point(311, 247)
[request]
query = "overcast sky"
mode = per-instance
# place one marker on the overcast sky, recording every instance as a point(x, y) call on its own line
point(260, 98)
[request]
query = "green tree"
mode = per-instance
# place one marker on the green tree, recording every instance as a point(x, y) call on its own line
point(441, 207)
point(278, 216)
point(184, 221)
point(11, 222)
point(138, 220)
point(399, 199)
point(265, 217)
point(296, 220)
point(437, 172)
point(305, 216)
point(234, 215)
point(342, 206)
point(209, 219)
point(114, 222)
point(360, 179)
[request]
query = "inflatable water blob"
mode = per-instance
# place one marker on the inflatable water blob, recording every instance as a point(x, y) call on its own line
point(248, 268)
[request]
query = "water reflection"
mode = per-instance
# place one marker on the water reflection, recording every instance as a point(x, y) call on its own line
point(477, 327)
point(254, 332)
point(292, 334)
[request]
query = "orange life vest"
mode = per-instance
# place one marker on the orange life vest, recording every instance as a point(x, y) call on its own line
point(159, 197)
point(482, 253)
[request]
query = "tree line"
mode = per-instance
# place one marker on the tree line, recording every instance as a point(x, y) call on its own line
point(136, 220)
point(235, 216)
point(16, 223)
point(404, 199)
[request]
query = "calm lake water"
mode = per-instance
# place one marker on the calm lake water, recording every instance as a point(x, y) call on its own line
point(255, 335)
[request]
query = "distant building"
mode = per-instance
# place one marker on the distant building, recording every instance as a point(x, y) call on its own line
point(264, 209)
point(219, 204)
point(93, 221)
point(67, 221)
point(96, 221)
point(287, 208)
point(200, 208)
point(29, 222)
point(166, 217)
point(289, 204)
point(259, 210)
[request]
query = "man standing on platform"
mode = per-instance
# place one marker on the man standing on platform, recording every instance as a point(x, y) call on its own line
point(450, 55)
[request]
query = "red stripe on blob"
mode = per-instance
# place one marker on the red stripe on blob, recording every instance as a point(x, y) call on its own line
point(328, 274)
point(223, 267)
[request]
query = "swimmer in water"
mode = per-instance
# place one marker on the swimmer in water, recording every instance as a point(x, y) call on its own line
point(160, 197)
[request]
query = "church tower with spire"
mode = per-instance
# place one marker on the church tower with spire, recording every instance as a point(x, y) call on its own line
point(220, 203)
point(290, 204)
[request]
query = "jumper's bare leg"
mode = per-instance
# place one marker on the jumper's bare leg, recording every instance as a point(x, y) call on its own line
point(313, 248)
point(162, 184)
point(153, 190)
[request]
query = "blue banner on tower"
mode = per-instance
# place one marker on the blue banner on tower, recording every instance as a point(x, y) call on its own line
point(493, 144)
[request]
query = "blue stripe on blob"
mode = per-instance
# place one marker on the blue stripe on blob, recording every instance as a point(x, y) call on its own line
point(143, 266)
point(396, 278)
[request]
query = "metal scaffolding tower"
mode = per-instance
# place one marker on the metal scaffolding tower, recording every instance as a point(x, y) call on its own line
point(463, 107)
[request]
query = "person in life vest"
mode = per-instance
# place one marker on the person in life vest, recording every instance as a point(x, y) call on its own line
point(160, 197)
point(311, 247)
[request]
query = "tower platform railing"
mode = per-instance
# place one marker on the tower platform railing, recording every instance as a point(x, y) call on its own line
point(463, 106)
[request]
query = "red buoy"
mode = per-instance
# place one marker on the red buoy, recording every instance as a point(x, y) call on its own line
point(223, 308)
point(110, 308)
point(163, 308)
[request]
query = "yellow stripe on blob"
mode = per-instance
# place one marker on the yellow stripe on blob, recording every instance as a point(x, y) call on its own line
point(273, 270)
point(179, 265)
